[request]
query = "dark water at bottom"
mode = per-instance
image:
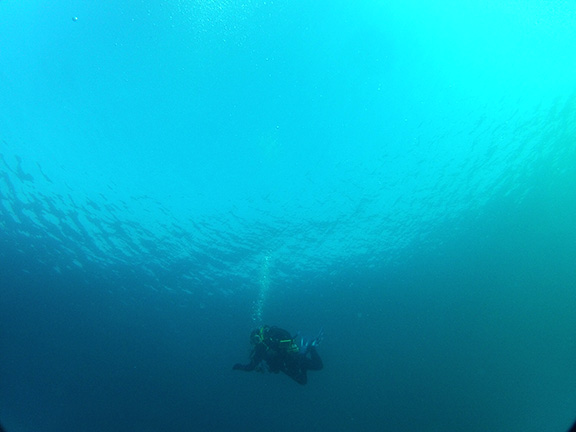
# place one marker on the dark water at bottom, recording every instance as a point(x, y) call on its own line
point(477, 336)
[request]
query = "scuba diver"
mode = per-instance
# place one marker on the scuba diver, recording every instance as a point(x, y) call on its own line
point(276, 351)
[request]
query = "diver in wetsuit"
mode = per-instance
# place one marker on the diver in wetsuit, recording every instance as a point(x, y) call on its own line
point(275, 350)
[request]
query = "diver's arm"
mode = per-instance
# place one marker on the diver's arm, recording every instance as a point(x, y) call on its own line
point(255, 359)
point(249, 367)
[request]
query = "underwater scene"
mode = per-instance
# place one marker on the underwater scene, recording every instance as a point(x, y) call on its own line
point(369, 206)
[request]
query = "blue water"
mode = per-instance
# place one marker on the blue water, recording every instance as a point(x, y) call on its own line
point(401, 174)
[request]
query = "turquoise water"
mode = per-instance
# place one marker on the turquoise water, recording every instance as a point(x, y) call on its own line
point(402, 174)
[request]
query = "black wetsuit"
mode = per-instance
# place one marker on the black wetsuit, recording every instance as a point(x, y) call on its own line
point(275, 350)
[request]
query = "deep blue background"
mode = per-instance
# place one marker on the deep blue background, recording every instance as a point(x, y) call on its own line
point(175, 173)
